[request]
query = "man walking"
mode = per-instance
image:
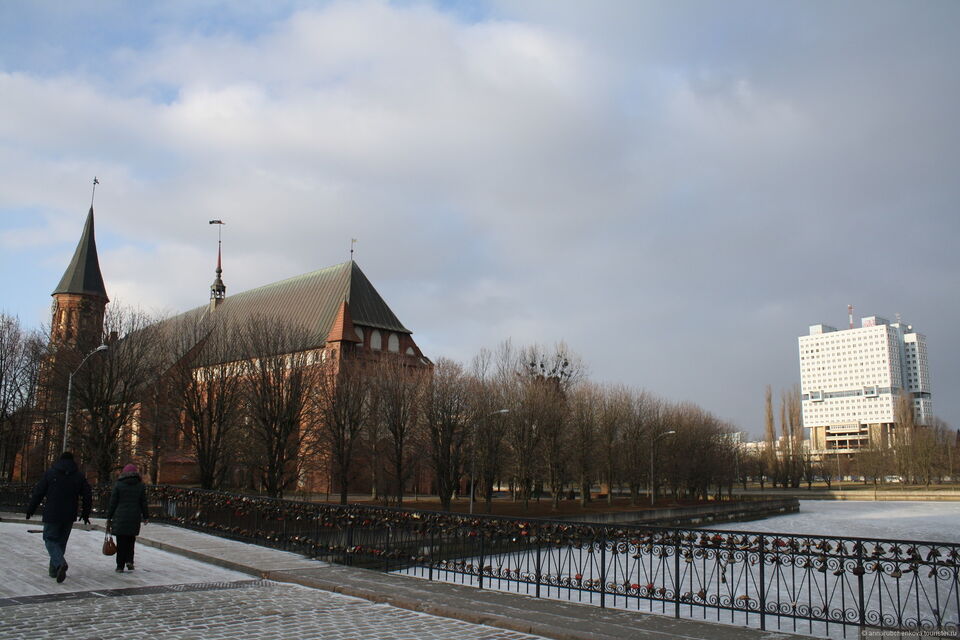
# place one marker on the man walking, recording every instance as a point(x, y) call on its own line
point(62, 485)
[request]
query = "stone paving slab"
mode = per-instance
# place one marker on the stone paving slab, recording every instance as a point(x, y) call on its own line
point(24, 562)
point(271, 611)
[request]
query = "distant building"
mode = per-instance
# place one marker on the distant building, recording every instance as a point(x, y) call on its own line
point(850, 380)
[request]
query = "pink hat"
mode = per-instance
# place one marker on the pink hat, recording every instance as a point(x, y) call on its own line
point(130, 468)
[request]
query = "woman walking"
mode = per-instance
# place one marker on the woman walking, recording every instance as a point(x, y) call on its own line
point(128, 505)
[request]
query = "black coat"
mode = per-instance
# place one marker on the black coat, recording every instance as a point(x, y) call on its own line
point(128, 504)
point(62, 486)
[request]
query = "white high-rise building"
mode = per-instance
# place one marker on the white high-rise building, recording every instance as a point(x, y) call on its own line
point(850, 381)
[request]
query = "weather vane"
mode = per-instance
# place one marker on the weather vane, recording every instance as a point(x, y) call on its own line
point(219, 224)
point(353, 241)
point(94, 192)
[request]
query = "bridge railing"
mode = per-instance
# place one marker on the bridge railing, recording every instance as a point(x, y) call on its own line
point(820, 584)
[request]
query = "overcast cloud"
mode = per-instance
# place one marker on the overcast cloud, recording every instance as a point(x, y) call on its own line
point(675, 189)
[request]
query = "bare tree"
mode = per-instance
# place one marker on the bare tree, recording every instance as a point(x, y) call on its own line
point(586, 405)
point(344, 402)
point(772, 462)
point(791, 438)
point(546, 377)
point(615, 414)
point(108, 390)
point(207, 392)
point(21, 354)
point(490, 403)
point(398, 390)
point(278, 378)
point(446, 416)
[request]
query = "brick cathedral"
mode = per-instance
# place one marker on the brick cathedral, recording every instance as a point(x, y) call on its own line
point(338, 306)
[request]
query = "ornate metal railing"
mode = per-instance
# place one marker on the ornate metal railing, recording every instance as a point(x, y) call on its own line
point(819, 584)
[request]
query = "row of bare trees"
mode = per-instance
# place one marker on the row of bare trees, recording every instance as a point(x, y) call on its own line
point(253, 406)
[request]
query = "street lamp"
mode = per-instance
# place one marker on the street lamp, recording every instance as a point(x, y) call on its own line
point(652, 446)
point(473, 452)
point(66, 414)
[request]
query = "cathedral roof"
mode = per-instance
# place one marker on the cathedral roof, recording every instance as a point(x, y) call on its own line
point(313, 300)
point(83, 275)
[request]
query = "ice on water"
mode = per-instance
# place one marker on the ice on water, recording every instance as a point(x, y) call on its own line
point(927, 521)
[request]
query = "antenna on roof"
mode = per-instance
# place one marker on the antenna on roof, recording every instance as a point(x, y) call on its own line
point(94, 192)
point(353, 241)
point(850, 313)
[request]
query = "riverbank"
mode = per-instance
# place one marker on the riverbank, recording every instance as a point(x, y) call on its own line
point(700, 515)
point(856, 492)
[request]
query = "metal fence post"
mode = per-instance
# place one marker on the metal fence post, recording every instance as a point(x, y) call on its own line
point(347, 555)
point(480, 565)
point(860, 603)
point(763, 592)
point(386, 553)
point(676, 574)
point(603, 569)
point(538, 569)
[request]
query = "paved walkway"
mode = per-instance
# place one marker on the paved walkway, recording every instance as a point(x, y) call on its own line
point(192, 585)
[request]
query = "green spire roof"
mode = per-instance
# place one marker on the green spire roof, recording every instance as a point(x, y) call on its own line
point(83, 275)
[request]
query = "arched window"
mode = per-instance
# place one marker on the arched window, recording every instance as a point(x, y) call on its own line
point(375, 339)
point(393, 343)
point(359, 333)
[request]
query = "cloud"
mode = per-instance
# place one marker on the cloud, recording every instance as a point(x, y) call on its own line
point(676, 190)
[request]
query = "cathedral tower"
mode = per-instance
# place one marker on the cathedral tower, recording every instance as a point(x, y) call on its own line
point(79, 301)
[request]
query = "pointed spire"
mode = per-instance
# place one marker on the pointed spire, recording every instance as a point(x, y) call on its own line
point(342, 329)
point(83, 275)
point(218, 290)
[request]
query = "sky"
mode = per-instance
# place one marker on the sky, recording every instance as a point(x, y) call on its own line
point(677, 190)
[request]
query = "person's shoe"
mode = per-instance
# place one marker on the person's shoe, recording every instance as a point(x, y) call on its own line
point(119, 569)
point(129, 566)
point(62, 572)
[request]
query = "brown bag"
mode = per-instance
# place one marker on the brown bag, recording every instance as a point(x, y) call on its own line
point(109, 546)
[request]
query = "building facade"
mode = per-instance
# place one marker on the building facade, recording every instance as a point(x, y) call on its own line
point(851, 380)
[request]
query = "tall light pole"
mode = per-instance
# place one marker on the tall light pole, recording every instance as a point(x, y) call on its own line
point(473, 452)
point(66, 414)
point(653, 443)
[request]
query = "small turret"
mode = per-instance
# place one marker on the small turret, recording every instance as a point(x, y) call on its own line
point(218, 290)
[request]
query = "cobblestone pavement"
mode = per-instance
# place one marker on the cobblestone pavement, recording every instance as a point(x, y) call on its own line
point(253, 610)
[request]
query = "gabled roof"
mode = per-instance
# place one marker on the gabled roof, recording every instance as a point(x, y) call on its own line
point(312, 300)
point(343, 328)
point(83, 275)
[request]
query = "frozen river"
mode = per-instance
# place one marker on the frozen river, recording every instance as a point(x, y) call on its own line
point(928, 521)
point(817, 587)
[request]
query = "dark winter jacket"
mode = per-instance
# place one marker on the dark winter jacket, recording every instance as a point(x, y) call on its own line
point(62, 486)
point(128, 504)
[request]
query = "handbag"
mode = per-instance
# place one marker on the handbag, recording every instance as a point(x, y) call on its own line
point(109, 546)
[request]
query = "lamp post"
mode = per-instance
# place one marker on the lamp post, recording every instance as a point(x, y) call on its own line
point(66, 414)
point(473, 452)
point(653, 443)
